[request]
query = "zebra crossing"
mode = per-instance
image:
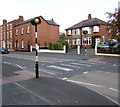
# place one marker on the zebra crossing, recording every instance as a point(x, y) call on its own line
point(72, 66)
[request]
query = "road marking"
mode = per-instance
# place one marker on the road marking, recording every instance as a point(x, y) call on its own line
point(85, 72)
point(19, 66)
point(114, 89)
point(88, 63)
point(47, 72)
point(7, 63)
point(81, 64)
point(109, 98)
point(70, 65)
point(84, 83)
point(60, 68)
point(64, 78)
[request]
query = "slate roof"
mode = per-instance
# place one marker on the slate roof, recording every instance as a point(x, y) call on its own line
point(50, 22)
point(87, 23)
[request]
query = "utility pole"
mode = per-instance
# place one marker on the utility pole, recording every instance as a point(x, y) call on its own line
point(35, 22)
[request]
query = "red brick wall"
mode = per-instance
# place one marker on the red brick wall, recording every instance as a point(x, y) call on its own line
point(46, 32)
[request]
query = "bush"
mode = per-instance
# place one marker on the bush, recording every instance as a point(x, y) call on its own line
point(45, 44)
point(57, 45)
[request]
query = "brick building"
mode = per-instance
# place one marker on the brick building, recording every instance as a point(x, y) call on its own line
point(23, 34)
point(48, 31)
point(7, 33)
point(94, 26)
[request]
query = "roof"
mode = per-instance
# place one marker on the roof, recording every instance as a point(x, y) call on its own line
point(88, 23)
point(50, 22)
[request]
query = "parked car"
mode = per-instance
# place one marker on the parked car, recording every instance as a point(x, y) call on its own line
point(4, 51)
point(105, 47)
point(100, 44)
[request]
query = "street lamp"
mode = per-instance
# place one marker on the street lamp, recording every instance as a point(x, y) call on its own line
point(85, 32)
point(36, 21)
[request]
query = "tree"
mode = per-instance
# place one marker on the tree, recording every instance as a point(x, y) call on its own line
point(114, 24)
point(62, 36)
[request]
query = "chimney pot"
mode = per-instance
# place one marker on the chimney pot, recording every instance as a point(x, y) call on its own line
point(89, 16)
point(4, 21)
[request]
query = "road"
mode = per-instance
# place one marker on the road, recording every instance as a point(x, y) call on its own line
point(97, 74)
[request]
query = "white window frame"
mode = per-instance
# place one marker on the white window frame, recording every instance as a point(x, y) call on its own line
point(16, 32)
point(96, 29)
point(28, 29)
point(88, 41)
point(73, 31)
point(86, 28)
point(1, 36)
point(69, 32)
point(10, 26)
point(78, 42)
point(73, 42)
point(78, 31)
point(22, 31)
point(22, 43)
point(7, 35)
point(1, 29)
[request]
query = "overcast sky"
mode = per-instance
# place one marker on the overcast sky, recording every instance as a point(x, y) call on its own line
point(64, 12)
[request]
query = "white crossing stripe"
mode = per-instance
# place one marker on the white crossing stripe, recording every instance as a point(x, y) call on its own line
point(81, 64)
point(60, 68)
point(88, 63)
point(73, 66)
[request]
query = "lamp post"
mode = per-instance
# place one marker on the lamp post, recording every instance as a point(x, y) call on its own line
point(36, 21)
point(85, 32)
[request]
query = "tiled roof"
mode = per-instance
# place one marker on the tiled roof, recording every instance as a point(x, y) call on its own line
point(87, 23)
point(50, 22)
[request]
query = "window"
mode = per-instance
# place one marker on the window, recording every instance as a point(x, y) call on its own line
point(69, 32)
point(10, 35)
point(16, 32)
point(1, 37)
point(77, 31)
point(4, 36)
point(10, 26)
point(87, 41)
point(7, 26)
point(73, 42)
point(28, 29)
point(78, 42)
point(96, 29)
point(22, 42)
point(73, 32)
point(7, 35)
point(1, 29)
point(22, 30)
point(86, 28)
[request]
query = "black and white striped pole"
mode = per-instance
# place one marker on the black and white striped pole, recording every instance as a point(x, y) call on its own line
point(85, 32)
point(36, 21)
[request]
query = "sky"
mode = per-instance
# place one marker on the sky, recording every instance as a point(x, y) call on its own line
point(66, 13)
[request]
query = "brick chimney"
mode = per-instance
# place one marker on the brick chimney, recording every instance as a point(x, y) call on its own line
point(89, 16)
point(52, 19)
point(4, 21)
point(21, 18)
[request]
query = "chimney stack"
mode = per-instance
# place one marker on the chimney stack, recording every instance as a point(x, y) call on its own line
point(52, 19)
point(21, 18)
point(89, 16)
point(4, 21)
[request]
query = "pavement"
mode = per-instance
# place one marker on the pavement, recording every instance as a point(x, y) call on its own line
point(22, 88)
